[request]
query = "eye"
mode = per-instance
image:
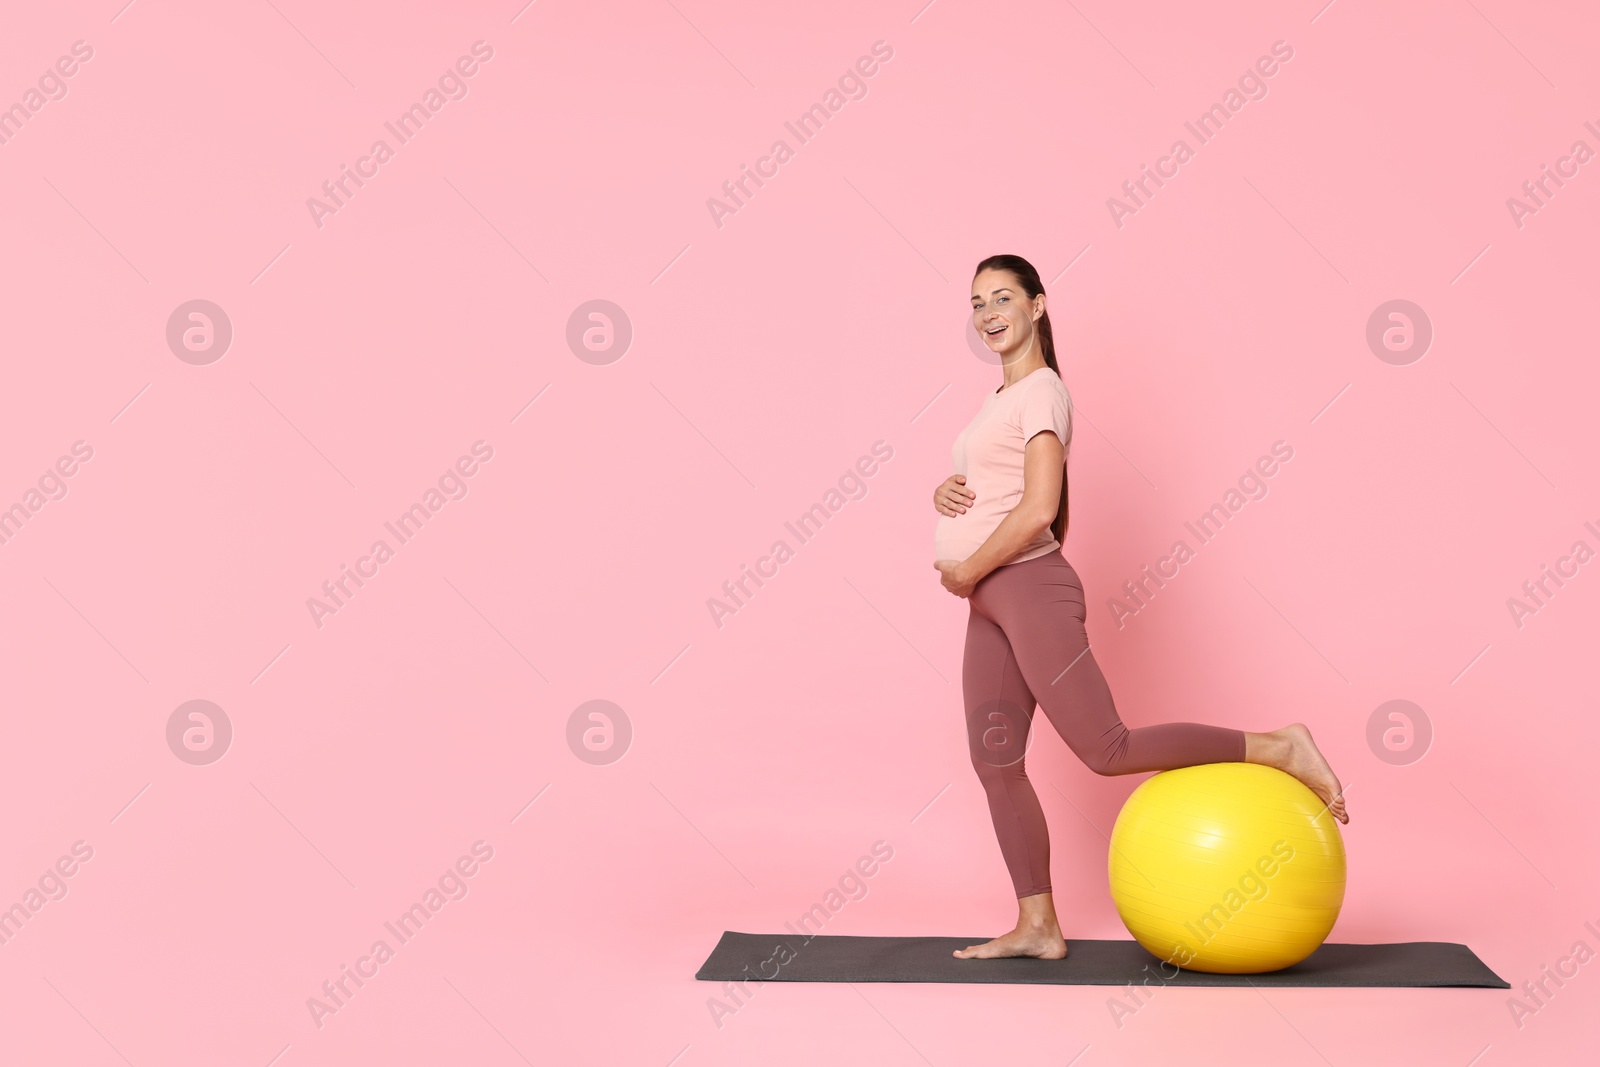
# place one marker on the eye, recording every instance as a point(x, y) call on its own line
point(1002, 299)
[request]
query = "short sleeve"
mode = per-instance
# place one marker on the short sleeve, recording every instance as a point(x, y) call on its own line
point(1047, 407)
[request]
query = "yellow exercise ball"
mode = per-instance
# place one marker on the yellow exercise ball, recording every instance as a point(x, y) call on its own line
point(1231, 868)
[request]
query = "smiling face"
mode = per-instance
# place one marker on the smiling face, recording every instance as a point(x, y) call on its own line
point(1003, 314)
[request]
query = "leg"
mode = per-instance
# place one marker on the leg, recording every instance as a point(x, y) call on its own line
point(1040, 607)
point(1039, 604)
point(999, 717)
point(999, 711)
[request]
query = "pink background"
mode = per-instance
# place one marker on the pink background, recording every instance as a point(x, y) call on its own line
point(828, 313)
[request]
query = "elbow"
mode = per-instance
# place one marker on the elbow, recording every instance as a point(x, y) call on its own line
point(1039, 520)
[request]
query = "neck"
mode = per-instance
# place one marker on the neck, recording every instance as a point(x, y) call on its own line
point(1019, 369)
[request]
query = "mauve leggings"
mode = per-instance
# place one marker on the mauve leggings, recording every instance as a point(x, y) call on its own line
point(1026, 644)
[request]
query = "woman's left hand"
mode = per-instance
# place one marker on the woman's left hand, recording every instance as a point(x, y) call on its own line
point(954, 575)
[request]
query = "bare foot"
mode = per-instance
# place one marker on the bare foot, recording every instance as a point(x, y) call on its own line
point(1305, 761)
point(1039, 942)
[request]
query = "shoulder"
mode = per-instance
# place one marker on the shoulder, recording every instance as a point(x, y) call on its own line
point(1049, 381)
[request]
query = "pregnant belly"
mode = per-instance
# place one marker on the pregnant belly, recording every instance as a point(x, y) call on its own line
point(957, 536)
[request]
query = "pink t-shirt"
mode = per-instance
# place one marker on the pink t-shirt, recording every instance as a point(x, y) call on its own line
point(990, 453)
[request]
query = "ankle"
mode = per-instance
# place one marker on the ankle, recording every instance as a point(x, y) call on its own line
point(1271, 749)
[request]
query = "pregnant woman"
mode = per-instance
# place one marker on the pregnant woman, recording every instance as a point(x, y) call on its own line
point(998, 545)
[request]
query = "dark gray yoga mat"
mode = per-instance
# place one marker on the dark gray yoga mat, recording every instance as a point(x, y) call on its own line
point(845, 958)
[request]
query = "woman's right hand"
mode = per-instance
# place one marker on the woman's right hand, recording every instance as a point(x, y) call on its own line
point(953, 497)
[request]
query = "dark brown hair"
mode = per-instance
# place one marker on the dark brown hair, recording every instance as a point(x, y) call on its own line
point(1028, 278)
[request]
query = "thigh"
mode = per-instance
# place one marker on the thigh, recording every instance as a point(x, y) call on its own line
point(999, 704)
point(1040, 608)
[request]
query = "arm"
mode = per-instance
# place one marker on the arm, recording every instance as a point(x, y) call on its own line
point(1043, 467)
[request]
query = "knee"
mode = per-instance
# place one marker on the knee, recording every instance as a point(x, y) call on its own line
point(1103, 761)
point(1108, 754)
point(997, 738)
point(983, 768)
point(992, 772)
point(1100, 763)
